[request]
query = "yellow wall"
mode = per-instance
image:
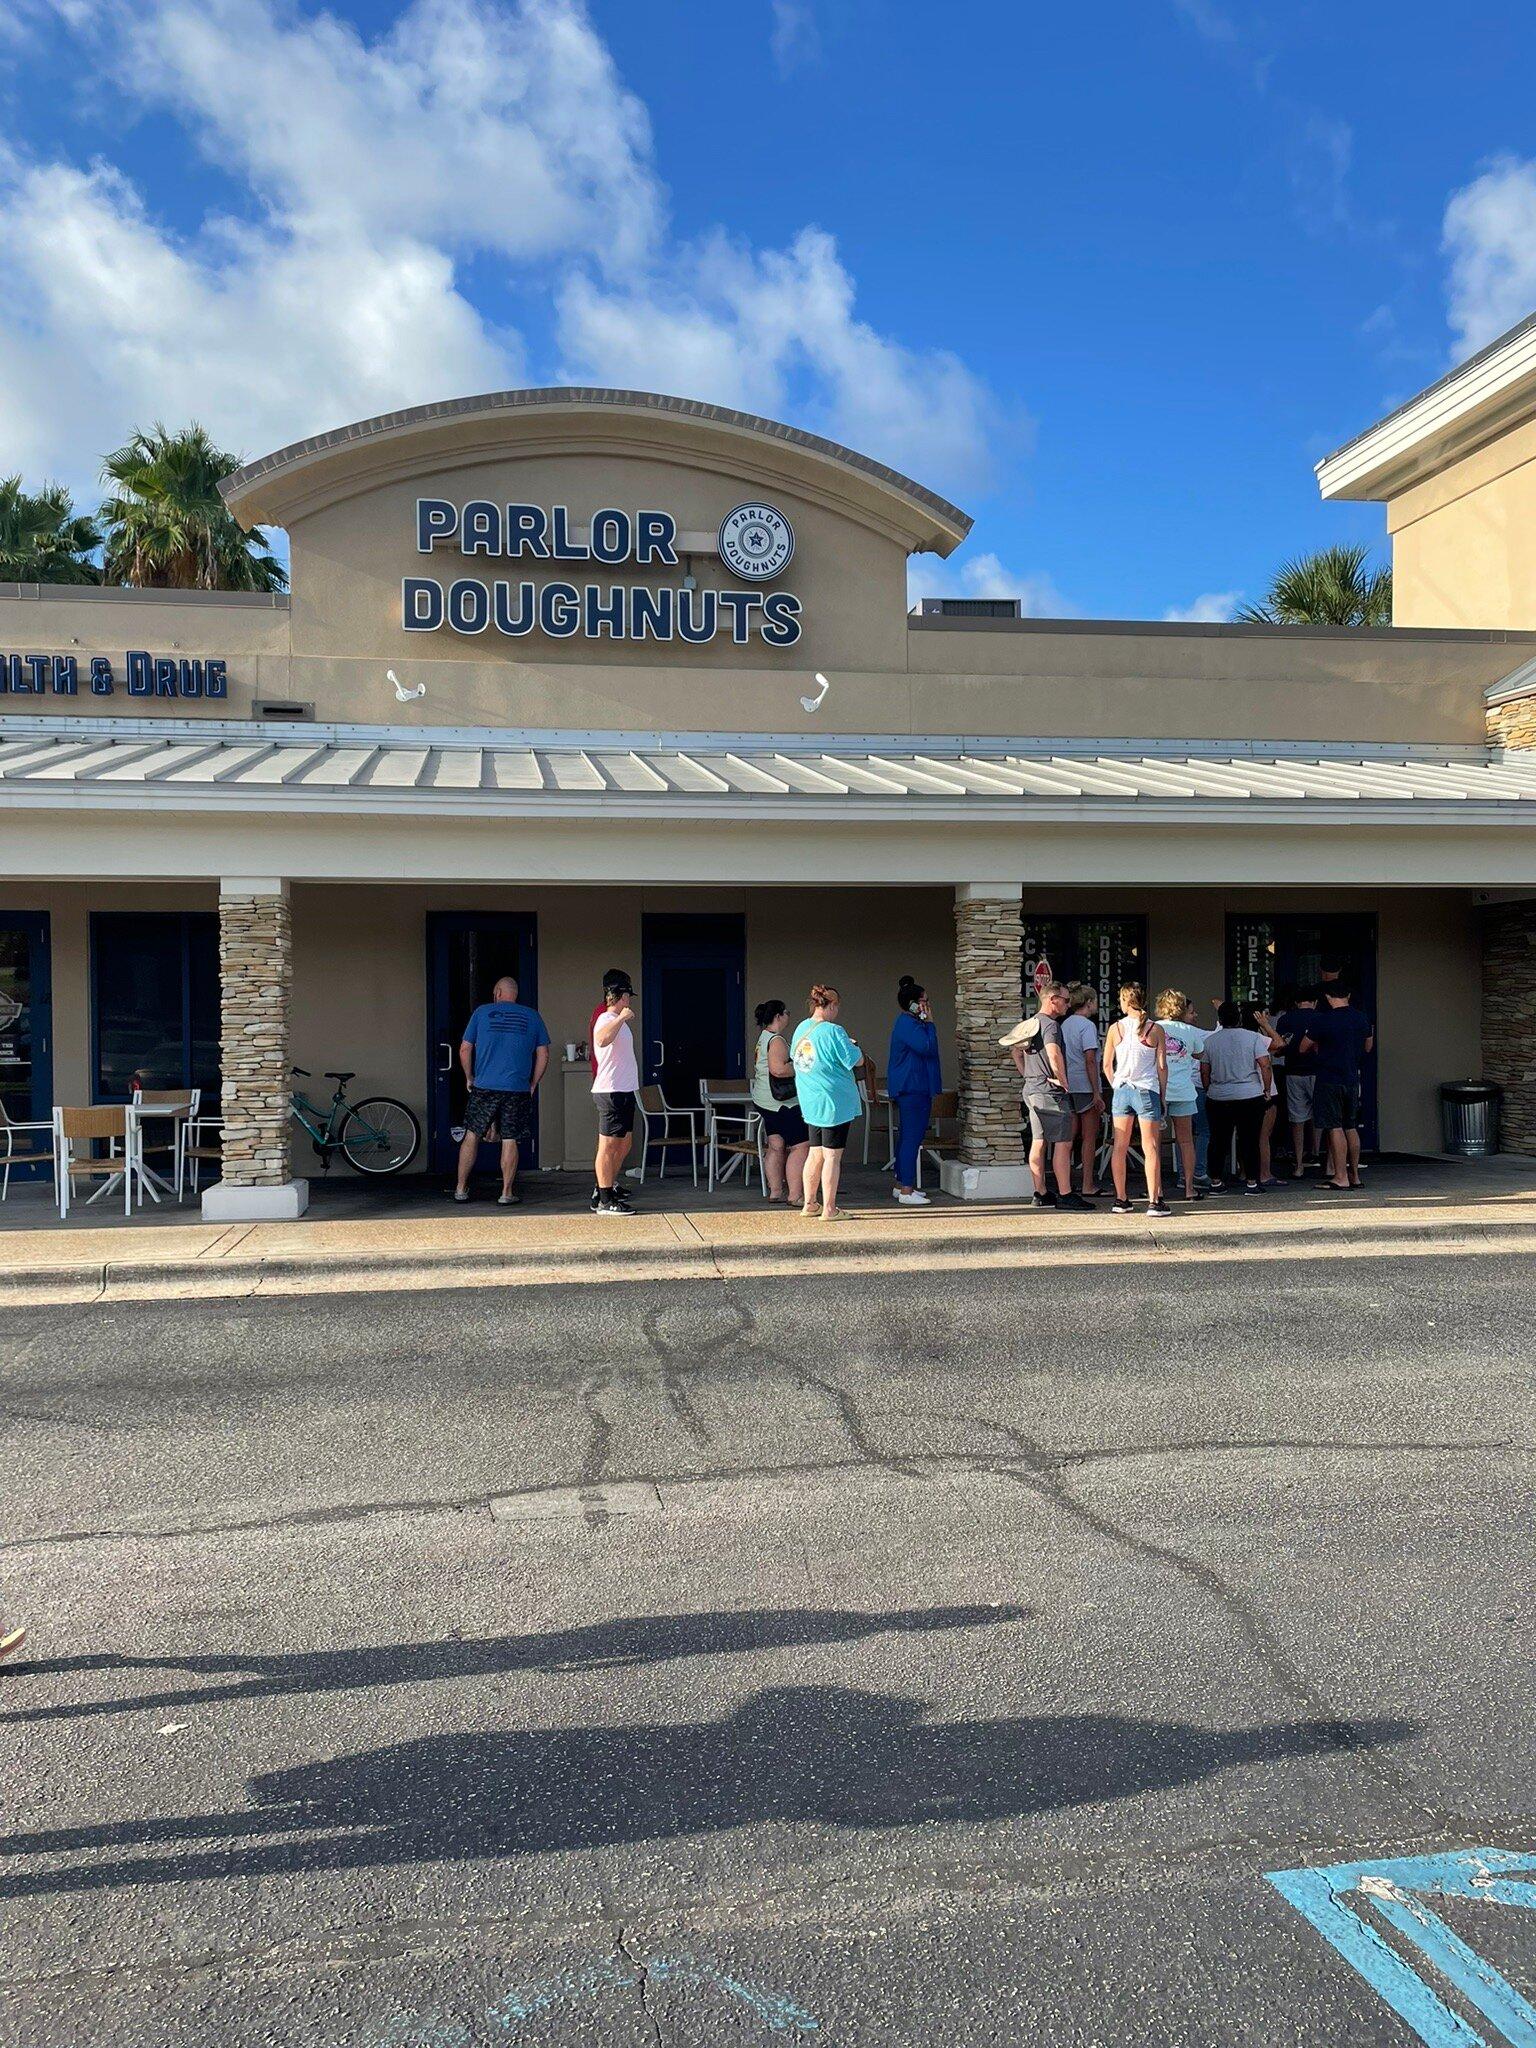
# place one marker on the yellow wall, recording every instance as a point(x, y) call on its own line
point(1464, 541)
point(360, 974)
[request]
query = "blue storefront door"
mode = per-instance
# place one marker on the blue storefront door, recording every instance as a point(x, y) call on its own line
point(692, 1022)
point(468, 951)
point(26, 1022)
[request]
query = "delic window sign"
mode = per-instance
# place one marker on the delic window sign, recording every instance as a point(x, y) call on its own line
point(144, 675)
point(567, 610)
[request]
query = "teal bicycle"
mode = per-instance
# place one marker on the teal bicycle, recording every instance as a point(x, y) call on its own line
point(378, 1135)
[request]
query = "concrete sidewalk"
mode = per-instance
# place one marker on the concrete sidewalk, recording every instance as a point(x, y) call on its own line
point(357, 1240)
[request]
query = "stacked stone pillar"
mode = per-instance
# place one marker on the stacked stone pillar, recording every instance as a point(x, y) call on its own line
point(255, 991)
point(1509, 1018)
point(989, 964)
point(1509, 947)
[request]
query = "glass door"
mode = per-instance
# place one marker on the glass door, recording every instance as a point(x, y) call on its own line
point(1269, 954)
point(1105, 952)
point(26, 1022)
point(468, 951)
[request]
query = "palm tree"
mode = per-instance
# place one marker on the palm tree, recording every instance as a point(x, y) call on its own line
point(42, 537)
point(1333, 587)
point(165, 524)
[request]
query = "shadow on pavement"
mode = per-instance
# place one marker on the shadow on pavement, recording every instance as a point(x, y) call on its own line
point(791, 1754)
point(601, 1646)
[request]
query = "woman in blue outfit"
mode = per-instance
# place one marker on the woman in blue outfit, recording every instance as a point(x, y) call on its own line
point(826, 1062)
point(912, 1081)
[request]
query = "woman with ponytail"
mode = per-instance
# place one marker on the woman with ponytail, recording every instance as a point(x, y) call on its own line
point(913, 1078)
point(826, 1061)
point(1136, 1059)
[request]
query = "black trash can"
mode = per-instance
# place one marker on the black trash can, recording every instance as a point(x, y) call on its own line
point(1469, 1117)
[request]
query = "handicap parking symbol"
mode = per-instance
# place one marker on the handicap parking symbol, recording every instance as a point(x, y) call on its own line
point(1357, 1906)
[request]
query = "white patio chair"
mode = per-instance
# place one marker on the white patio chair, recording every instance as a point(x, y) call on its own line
point(22, 1144)
point(654, 1105)
point(188, 1101)
point(74, 1133)
point(201, 1138)
point(737, 1136)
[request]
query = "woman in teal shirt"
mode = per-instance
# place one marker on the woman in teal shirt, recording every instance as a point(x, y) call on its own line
point(825, 1061)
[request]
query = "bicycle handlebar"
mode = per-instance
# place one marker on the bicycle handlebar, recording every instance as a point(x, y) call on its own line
point(302, 1070)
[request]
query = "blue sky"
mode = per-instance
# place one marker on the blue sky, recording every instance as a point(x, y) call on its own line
point(1112, 277)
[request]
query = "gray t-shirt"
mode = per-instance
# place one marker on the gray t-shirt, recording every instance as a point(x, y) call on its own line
point(1038, 1078)
point(1080, 1035)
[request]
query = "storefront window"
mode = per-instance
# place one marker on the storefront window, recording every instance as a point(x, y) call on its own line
point(155, 1002)
point(1106, 952)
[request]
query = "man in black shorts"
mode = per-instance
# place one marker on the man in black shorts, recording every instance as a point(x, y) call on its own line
point(1339, 1037)
point(615, 1085)
point(504, 1053)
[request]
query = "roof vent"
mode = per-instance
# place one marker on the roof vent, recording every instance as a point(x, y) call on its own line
point(969, 608)
point(282, 707)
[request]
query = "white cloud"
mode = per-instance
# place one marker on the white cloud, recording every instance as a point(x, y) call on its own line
point(985, 576)
point(794, 37)
point(775, 331)
point(1490, 237)
point(375, 172)
point(1213, 608)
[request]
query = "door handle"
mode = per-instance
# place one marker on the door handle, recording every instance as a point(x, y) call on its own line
point(661, 1052)
point(447, 1052)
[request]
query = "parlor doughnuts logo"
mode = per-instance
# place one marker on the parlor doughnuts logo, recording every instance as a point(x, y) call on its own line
point(756, 542)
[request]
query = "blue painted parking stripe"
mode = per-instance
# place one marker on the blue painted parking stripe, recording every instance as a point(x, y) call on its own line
point(1337, 1899)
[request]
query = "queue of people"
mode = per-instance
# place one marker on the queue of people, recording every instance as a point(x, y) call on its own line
point(1216, 1093)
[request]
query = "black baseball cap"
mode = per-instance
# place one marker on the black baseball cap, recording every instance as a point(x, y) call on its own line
point(617, 983)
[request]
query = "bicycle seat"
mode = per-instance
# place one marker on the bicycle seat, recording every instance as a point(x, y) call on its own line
point(339, 1077)
point(300, 1070)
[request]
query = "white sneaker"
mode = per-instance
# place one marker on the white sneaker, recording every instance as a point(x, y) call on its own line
point(914, 1198)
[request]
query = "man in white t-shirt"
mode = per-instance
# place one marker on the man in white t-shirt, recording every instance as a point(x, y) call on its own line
point(615, 1085)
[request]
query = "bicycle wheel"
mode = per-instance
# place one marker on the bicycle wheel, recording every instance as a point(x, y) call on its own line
point(380, 1135)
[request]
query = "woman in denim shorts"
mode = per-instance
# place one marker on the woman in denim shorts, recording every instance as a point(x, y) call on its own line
point(1136, 1059)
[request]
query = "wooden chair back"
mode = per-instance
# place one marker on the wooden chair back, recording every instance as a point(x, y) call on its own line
point(737, 1085)
point(106, 1120)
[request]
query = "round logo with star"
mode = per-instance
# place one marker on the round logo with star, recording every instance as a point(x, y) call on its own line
point(756, 542)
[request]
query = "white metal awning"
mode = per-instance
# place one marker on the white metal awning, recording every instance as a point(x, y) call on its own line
point(322, 770)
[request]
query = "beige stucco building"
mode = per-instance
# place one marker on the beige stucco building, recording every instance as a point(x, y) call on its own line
point(545, 697)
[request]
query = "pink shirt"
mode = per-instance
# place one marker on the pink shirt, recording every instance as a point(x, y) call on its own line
point(617, 1073)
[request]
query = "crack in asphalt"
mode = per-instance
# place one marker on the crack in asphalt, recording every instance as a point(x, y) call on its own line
point(1040, 1472)
point(868, 1458)
point(642, 1974)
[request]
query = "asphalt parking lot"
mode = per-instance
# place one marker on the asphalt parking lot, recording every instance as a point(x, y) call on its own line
point(877, 1657)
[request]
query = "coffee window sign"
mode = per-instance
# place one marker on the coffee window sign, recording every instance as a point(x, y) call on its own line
point(756, 544)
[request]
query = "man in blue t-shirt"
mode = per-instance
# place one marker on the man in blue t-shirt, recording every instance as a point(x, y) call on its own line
point(504, 1053)
point(1338, 1038)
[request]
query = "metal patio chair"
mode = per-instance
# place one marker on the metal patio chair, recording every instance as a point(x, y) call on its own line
point(186, 1100)
point(75, 1131)
point(741, 1149)
point(655, 1106)
point(22, 1144)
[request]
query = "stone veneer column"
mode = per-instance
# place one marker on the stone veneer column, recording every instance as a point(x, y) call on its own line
point(1509, 1018)
point(255, 989)
point(1509, 950)
point(989, 964)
